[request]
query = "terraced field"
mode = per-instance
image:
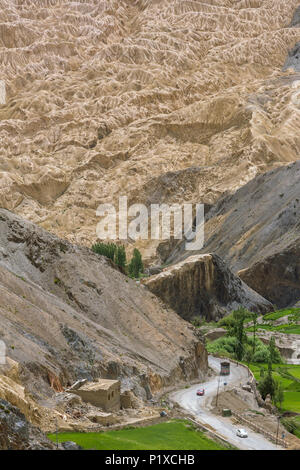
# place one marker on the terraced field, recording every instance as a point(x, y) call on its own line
point(291, 325)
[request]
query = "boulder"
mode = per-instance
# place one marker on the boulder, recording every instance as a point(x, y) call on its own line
point(247, 388)
point(70, 445)
point(127, 400)
point(288, 345)
point(216, 333)
point(105, 419)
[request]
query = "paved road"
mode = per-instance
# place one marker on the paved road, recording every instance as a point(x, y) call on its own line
point(200, 408)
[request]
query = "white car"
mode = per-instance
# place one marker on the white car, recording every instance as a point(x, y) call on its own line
point(241, 433)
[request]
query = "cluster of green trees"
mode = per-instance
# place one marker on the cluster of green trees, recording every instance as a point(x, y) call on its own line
point(238, 345)
point(112, 251)
point(117, 254)
point(230, 346)
point(250, 348)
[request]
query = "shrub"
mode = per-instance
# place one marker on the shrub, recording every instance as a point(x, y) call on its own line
point(267, 385)
point(261, 355)
point(230, 319)
point(224, 346)
point(197, 321)
point(227, 346)
point(292, 424)
point(248, 353)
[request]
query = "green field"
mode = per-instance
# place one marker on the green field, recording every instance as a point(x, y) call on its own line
point(171, 435)
point(293, 312)
point(291, 388)
point(290, 327)
point(287, 328)
point(292, 424)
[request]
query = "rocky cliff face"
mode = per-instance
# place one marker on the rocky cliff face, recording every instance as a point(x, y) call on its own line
point(257, 232)
point(203, 286)
point(17, 434)
point(277, 276)
point(67, 313)
point(288, 344)
point(110, 97)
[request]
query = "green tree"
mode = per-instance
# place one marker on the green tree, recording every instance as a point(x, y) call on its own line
point(248, 355)
point(255, 316)
point(278, 394)
point(136, 266)
point(266, 385)
point(272, 351)
point(237, 330)
point(261, 372)
point(120, 256)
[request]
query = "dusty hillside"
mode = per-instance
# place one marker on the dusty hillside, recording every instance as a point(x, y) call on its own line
point(67, 313)
point(257, 232)
point(107, 97)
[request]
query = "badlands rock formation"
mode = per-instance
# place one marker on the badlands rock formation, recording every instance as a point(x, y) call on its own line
point(107, 97)
point(202, 286)
point(67, 314)
point(257, 232)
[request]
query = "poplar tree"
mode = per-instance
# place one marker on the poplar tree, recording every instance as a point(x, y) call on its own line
point(136, 266)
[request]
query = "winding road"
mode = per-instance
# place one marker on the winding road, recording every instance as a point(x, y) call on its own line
point(200, 407)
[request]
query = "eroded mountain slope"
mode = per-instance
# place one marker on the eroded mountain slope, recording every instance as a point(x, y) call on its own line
point(257, 232)
point(107, 97)
point(67, 313)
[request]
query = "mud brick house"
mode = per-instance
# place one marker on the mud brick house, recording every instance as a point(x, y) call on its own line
point(104, 394)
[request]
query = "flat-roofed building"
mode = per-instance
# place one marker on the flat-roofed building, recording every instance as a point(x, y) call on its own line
point(104, 394)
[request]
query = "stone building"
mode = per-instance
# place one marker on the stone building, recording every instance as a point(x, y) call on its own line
point(104, 394)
